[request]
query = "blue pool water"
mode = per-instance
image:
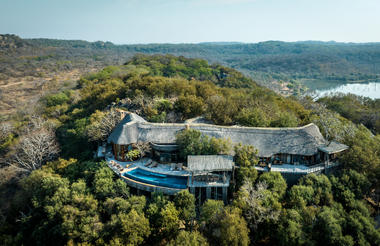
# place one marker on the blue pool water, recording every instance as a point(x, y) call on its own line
point(144, 176)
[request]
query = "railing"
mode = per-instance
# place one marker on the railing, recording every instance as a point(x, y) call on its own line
point(296, 168)
point(316, 168)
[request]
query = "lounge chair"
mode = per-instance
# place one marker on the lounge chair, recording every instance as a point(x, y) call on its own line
point(172, 167)
point(179, 166)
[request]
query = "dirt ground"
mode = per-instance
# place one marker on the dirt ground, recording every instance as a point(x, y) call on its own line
point(22, 93)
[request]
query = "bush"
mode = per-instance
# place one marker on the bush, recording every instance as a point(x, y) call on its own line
point(133, 155)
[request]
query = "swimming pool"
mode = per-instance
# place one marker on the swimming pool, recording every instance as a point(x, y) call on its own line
point(159, 179)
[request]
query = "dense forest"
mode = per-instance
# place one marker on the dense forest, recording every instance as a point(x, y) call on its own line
point(264, 61)
point(53, 191)
point(360, 110)
point(31, 68)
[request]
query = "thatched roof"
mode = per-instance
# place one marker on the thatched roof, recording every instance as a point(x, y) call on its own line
point(303, 140)
point(202, 163)
point(333, 147)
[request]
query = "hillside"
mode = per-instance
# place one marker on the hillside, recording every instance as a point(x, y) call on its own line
point(336, 61)
point(56, 192)
point(29, 68)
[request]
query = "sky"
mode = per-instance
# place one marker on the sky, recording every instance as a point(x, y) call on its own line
point(193, 21)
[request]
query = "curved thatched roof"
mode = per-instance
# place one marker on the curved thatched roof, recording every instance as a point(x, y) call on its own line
point(303, 140)
point(333, 147)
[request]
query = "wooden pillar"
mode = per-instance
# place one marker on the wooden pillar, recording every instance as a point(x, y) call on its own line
point(224, 190)
point(215, 193)
point(327, 157)
point(122, 152)
point(192, 190)
point(114, 149)
point(208, 193)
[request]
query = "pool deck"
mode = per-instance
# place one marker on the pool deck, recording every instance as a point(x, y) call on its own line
point(120, 168)
point(141, 163)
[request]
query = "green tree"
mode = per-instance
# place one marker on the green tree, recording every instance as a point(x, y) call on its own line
point(233, 228)
point(216, 146)
point(185, 204)
point(245, 155)
point(301, 196)
point(360, 226)
point(189, 106)
point(192, 142)
point(222, 225)
point(164, 218)
point(252, 117)
point(328, 229)
point(245, 173)
point(321, 186)
point(189, 142)
point(80, 218)
point(276, 183)
point(355, 182)
point(285, 119)
point(56, 99)
point(105, 186)
point(290, 230)
point(129, 228)
point(186, 238)
point(210, 209)
point(363, 154)
point(169, 221)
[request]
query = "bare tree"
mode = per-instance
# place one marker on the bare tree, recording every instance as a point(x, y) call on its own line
point(258, 204)
point(144, 148)
point(5, 130)
point(100, 130)
point(34, 150)
point(331, 124)
point(327, 120)
point(6, 137)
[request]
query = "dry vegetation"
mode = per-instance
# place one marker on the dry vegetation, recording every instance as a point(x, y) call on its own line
point(22, 93)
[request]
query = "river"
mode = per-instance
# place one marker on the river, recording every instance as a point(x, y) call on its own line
point(319, 88)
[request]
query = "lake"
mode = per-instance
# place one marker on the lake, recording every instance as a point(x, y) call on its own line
point(321, 88)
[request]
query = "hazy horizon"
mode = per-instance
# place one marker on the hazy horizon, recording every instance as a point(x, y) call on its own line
point(193, 21)
point(206, 42)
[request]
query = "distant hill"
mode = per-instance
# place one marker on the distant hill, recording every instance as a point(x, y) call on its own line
point(221, 43)
point(263, 61)
point(9, 41)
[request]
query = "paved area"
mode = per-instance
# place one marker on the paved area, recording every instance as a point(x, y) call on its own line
point(142, 163)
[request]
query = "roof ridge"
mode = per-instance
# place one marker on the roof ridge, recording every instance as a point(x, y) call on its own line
point(227, 127)
point(133, 120)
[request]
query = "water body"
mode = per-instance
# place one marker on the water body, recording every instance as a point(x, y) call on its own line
point(324, 88)
point(170, 181)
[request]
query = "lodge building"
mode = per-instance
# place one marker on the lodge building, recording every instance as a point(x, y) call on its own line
point(292, 151)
